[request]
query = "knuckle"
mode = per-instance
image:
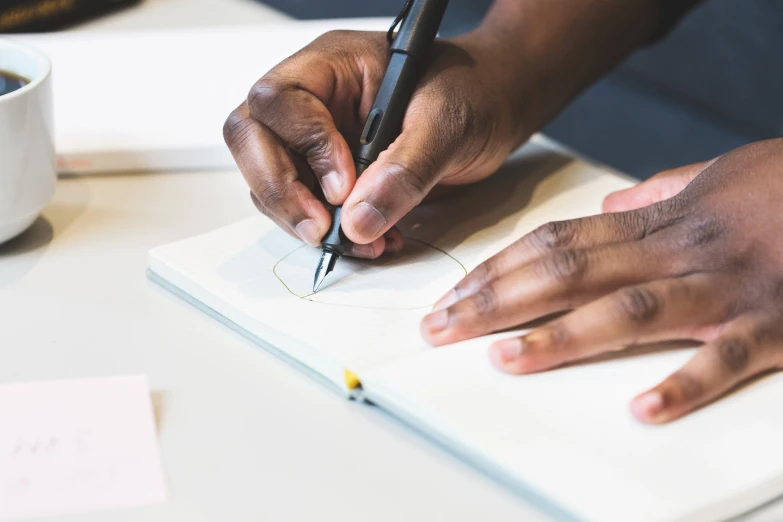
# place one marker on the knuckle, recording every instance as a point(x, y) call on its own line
point(316, 143)
point(701, 232)
point(558, 335)
point(567, 266)
point(482, 274)
point(484, 302)
point(554, 235)
point(635, 223)
point(734, 354)
point(687, 387)
point(236, 129)
point(415, 182)
point(310, 136)
point(660, 215)
point(263, 94)
point(269, 195)
point(639, 305)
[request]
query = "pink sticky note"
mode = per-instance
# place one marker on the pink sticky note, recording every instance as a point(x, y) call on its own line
point(76, 446)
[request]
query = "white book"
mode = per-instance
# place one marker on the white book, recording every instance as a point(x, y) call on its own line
point(564, 439)
point(155, 100)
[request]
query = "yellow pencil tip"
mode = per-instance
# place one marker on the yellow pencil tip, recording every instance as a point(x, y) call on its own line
point(352, 380)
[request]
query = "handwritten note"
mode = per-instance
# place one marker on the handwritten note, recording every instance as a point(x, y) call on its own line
point(76, 446)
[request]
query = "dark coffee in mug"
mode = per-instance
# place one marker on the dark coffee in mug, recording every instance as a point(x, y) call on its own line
point(9, 82)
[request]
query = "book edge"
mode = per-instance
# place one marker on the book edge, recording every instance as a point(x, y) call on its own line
point(270, 348)
point(543, 503)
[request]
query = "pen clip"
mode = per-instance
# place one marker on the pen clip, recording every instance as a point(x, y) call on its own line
point(397, 21)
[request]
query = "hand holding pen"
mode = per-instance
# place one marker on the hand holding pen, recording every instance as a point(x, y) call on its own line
point(300, 120)
point(482, 94)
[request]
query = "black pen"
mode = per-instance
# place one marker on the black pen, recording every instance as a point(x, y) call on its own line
point(409, 49)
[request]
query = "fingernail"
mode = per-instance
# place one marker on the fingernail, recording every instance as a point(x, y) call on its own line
point(510, 349)
point(362, 251)
point(436, 321)
point(367, 221)
point(648, 406)
point(447, 300)
point(332, 184)
point(309, 232)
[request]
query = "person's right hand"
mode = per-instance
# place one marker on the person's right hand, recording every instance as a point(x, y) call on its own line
point(300, 119)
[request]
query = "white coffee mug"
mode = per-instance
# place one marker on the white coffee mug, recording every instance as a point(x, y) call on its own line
point(27, 157)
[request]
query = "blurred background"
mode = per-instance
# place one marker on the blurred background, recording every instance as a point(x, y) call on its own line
point(714, 83)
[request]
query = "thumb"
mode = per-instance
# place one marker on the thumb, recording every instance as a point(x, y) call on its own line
point(662, 186)
point(399, 179)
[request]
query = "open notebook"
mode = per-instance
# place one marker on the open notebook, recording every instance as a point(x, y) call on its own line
point(564, 439)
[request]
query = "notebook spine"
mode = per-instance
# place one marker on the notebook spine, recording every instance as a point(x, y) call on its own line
point(17, 16)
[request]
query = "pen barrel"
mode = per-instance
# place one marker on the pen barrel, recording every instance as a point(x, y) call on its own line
point(384, 121)
point(420, 27)
point(408, 59)
point(409, 53)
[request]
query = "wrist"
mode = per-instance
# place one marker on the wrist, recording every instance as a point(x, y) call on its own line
point(539, 54)
point(497, 87)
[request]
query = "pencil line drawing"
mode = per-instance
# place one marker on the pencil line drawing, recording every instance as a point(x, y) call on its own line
point(311, 297)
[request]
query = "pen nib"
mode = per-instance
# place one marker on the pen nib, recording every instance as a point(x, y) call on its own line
point(325, 265)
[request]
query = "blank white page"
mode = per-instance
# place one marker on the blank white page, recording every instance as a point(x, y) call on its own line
point(568, 435)
point(368, 312)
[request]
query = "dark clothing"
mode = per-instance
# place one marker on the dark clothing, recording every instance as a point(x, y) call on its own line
point(673, 10)
point(712, 81)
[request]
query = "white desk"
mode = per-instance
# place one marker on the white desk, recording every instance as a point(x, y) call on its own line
point(188, 13)
point(244, 436)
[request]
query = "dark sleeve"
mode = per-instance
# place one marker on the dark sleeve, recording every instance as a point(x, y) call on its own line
point(671, 12)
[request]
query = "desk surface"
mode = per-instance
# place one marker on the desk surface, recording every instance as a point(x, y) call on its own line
point(244, 437)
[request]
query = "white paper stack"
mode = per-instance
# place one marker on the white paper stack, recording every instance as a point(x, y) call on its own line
point(156, 100)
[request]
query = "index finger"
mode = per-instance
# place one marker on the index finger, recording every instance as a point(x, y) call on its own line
point(273, 178)
point(307, 100)
point(587, 232)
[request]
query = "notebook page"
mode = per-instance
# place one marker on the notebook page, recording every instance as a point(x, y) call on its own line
point(568, 435)
point(368, 312)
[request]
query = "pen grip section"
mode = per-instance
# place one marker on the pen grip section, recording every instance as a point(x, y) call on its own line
point(335, 240)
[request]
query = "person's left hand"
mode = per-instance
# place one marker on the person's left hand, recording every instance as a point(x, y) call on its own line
point(692, 254)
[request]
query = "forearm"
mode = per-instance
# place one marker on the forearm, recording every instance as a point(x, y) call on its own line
point(547, 51)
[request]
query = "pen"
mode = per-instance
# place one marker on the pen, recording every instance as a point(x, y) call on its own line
point(419, 22)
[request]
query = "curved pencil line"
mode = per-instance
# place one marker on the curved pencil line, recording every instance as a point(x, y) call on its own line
point(439, 250)
point(274, 270)
point(307, 297)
